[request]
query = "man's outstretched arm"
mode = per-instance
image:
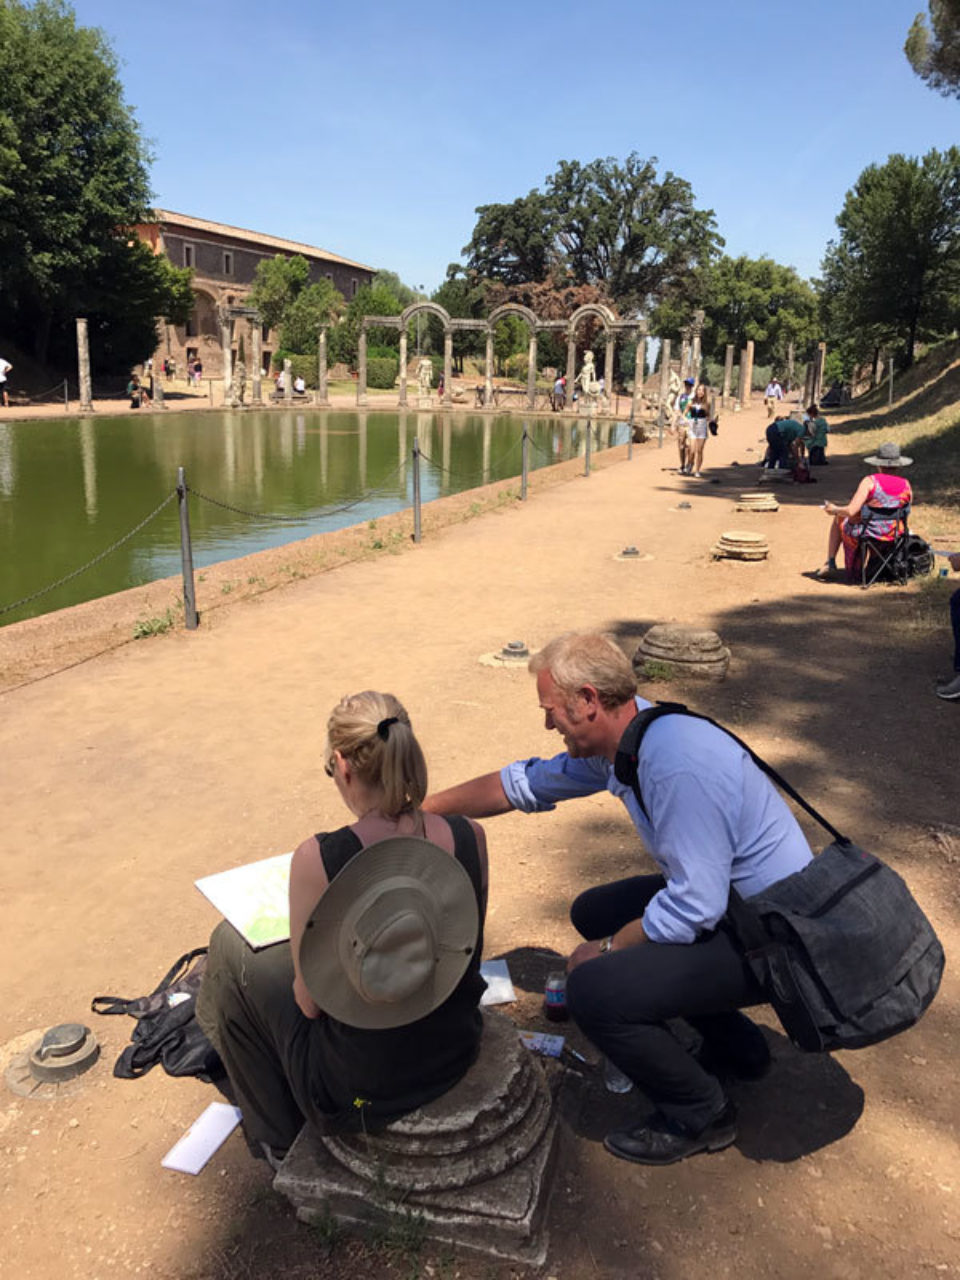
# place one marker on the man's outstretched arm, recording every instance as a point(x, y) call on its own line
point(481, 797)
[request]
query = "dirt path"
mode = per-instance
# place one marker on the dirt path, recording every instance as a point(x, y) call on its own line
point(128, 776)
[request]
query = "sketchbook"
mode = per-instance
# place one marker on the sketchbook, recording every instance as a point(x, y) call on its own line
point(254, 898)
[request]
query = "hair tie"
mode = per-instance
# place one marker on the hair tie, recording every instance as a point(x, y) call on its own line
point(383, 728)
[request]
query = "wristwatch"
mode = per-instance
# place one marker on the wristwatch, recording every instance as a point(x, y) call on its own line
point(606, 944)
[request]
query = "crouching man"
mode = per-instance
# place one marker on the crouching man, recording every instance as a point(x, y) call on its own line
point(656, 945)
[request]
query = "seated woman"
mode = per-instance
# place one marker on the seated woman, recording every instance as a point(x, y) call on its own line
point(878, 493)
point(357, 1019)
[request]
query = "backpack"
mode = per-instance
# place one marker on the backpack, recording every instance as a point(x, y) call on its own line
point(919, 556)
point(841, 948)
point(167, 1030)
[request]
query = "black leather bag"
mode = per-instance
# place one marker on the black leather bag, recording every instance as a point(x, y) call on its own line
point(167, 1031)
point(841, 948)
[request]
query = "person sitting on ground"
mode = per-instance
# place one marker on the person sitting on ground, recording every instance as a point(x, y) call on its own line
point(815, 436)
point(372, 1008)
point(950, 689)
point(882, 491)
point(784, 444)
point(656, 947)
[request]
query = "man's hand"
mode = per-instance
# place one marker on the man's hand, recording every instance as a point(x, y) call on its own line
point(585, 951)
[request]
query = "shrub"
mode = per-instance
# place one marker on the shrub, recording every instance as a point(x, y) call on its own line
point(382, 372)
point(381, 353)
point(516, 366)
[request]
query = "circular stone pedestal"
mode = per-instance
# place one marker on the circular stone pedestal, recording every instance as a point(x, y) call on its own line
point(688, 650)
point(757, 502)
point(474, 1166)
point(736, 544)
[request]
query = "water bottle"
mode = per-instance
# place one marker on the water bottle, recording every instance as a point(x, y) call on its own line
point(614, 1080)
point(555, 998)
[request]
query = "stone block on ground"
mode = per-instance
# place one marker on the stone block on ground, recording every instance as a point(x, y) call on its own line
point(473, 1167)
point(693, 651)
point(738, 544)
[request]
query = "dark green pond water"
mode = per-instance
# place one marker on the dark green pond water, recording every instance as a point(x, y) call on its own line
point(70, 488)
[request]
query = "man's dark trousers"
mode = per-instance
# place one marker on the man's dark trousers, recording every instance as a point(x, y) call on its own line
point(778, 453)
point(955, 622)
point(623, 999)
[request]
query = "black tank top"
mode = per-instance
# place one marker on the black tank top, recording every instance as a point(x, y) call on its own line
point(386, 1072)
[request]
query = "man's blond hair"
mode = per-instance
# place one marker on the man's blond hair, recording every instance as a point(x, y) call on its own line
point(578, 658)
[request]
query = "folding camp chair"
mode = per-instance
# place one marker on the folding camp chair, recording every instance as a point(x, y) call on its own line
point(883, 559)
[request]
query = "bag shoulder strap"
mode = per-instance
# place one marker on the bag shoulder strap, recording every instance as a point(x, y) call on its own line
point(136, 1005)
point(628, 757)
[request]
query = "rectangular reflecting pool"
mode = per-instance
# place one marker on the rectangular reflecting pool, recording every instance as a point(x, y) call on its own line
point(71, 489)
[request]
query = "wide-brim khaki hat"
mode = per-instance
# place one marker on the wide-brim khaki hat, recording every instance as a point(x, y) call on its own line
point(889, 455)
point(392, 935)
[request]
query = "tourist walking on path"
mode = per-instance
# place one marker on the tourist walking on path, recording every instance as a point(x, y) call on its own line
point(680, 426)
point(950, 689)
point(698, 414)
point(5, 367)
point(655, 947)
point(772, 397)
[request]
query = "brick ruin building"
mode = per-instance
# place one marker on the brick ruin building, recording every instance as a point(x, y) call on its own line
point(224, 260)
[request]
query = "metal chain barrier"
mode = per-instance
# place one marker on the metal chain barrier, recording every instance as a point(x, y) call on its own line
point(90, 563)
point(44, 395)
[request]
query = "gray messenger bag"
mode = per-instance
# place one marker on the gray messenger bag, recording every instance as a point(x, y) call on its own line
point(841, 948)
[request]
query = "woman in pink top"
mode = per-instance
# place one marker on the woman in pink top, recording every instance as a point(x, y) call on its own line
point(883, 491)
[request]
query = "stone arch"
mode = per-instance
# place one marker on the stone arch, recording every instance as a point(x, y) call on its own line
point(513, 309)
point(204, 318)
point(431, 308)
point(597, 309)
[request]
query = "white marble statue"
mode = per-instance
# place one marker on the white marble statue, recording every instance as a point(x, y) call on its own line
point(587, 381)
point(424, 376)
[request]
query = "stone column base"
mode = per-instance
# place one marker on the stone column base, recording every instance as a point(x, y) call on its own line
point(473, 1168)
point(424, 402)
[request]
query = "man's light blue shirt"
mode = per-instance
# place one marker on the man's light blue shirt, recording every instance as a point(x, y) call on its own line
point(714, 818)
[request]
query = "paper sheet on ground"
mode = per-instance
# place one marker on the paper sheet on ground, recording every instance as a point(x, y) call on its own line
point(499, 987)
point(254, 898)
point(205, 1135)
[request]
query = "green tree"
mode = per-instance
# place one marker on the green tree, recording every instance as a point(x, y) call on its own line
point(612, 225)
point(276, 284)
point(511, 243)
point(934, 50)
point(73, 181)
point(760, 299)
point(391, 281)
point(370, 300)
point(313, 306)
point(893, 276)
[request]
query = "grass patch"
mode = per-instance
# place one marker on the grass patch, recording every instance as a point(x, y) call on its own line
point(654, 669)
point(144, 627)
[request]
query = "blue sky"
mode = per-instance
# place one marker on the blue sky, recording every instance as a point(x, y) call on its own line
point(374, 129)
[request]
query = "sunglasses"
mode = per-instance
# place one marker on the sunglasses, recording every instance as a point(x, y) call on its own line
point(328, 768)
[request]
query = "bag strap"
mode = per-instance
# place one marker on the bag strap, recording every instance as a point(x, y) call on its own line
point(134, 1006)
point(628, 755)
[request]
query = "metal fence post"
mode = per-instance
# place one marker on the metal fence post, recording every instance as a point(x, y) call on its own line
point(524, 455)
point(66, 397)
point(890, 396)
point(186, 554)
point(586, 456)
point(629, 440)
point(416, 489)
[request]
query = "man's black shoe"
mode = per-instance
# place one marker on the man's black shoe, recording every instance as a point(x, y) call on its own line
point(658, 1141)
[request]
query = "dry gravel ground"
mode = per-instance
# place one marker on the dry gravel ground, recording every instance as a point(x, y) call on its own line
point(131, 773)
